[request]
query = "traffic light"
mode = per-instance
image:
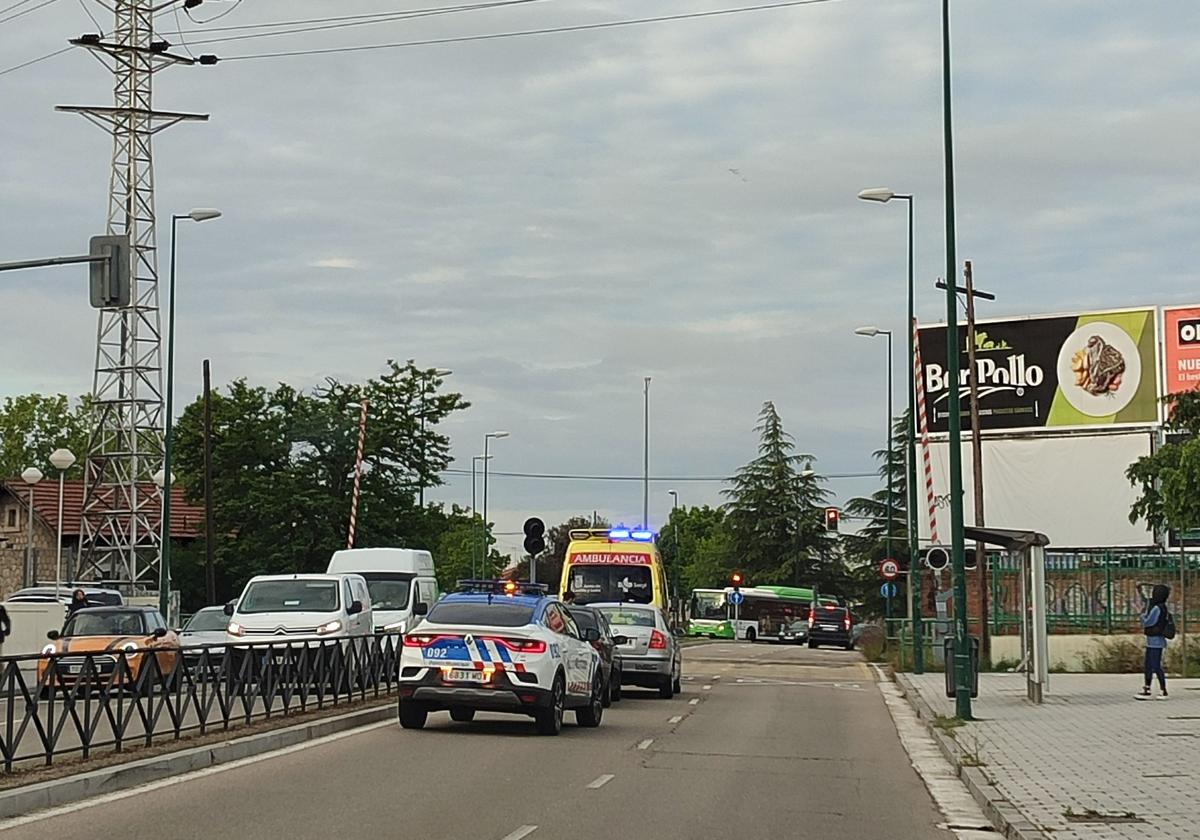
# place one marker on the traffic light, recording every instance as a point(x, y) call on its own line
point(110, 286)
point(535, 536)
point(833, 518)
point(737, 580)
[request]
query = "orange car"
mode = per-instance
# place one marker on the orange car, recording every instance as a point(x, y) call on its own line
point(106, 633)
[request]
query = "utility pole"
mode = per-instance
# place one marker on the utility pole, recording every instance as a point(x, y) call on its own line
point(985, 641)
point(646, 453)
point(210, 573)
point(118, 540)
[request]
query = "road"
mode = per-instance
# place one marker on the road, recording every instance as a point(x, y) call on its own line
point(764, 742)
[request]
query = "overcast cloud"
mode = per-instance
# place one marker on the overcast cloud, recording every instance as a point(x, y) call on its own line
point(556, 217)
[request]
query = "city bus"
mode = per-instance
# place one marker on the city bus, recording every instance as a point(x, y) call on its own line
point(764, 611)
point(614, 564)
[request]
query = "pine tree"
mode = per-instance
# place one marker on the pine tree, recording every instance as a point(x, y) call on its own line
point(775, 514)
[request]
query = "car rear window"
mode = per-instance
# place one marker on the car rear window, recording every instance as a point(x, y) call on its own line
point(585, 619)
point(496, 614)
point(629, 617)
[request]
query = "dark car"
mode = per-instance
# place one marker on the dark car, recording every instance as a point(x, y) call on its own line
point(831, 625)
point(795, 633)
point(610, 655)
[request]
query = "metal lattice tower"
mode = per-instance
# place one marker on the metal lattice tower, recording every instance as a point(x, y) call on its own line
point(120, 541)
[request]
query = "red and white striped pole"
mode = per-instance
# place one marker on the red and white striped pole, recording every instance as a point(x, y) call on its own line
point(923, 419)
point(358, 462)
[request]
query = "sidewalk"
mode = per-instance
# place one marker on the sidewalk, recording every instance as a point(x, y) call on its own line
point(1090, 750)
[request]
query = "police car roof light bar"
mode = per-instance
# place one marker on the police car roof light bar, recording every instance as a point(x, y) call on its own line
point(492, 587)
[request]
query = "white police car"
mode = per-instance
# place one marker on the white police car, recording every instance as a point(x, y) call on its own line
point(500, 646)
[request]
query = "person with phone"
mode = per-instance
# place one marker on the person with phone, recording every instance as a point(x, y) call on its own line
point(1159, 626)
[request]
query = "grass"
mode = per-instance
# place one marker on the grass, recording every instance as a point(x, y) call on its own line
point(947, 723)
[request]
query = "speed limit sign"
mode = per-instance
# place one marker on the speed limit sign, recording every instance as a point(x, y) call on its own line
point(889, 569)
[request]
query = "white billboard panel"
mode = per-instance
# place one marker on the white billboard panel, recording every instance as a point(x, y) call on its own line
point(1071, 488)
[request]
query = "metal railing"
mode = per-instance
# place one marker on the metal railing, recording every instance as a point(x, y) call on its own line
point(77, 704)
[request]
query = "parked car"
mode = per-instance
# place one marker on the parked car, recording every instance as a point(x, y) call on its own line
point(831, 625)
point(96, 596)
point(398, 579)
point(651, 656)
point(795, 633)
point(204, 632)
point(608, 645)
point(92, 642)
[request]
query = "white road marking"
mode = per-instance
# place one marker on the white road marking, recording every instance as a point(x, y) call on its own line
point(601, 781)
point(517, 834)
point(645, 745)
point(716, 677)
point(707, 687)
point(675, 719)
point(693, 701)
point(74, 807)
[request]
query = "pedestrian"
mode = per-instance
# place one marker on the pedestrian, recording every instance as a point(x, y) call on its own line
point(1158, 626)
point(78, 601)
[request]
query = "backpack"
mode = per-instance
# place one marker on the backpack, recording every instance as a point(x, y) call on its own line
point(1168, 630)
point(1164, 626)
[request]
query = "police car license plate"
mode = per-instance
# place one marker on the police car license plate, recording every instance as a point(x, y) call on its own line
point(463, 675)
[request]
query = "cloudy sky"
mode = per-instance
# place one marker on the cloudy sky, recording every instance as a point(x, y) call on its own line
point(554, 217)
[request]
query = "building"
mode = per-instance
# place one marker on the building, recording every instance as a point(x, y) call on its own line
point(187, 524)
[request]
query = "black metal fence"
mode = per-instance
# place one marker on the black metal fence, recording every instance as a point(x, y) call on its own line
point(79, 704)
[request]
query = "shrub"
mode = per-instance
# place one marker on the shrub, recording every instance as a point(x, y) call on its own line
point(873, 644)
point(1115, 656)
point(1173, 661)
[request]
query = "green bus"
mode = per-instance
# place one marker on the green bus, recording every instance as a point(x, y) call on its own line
point(764, 611)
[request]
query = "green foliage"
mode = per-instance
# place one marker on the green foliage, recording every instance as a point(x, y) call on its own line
point(34, 425)
point(775, 514)
point(1173, 659)
point(696, 549)
point(550, 561)
point(1168, 484)
point(1115, 656)
point(283, 472)
point(457, 551)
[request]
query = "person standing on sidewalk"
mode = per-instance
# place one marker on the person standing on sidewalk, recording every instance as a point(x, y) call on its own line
point(1158, 627)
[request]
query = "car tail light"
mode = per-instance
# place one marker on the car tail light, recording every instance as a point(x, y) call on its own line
point(658, 641)
point(420, 640)
point(812, 619)
point(846, 621)
point(520, 645)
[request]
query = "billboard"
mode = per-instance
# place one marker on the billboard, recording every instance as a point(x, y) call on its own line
point(1091, 370)
point(1181, 349)
point(1072, 487)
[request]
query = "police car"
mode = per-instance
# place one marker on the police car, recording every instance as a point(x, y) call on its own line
point(500, 646)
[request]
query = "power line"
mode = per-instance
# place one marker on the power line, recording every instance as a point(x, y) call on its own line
point(41, 5)
point(583, 27)
point(675, 478)
point(16, 67)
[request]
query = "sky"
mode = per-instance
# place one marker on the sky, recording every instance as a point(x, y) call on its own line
point(555, 217)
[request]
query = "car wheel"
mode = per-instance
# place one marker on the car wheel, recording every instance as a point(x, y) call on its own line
point(850, 645)
point(412, 716)
point(615, 684)
point(462, 715)
point(812, 645)
point(677, 685)
point(666, 690)
point(606, 692)
point(751, 635)
point(549, 720)
point(591, 714)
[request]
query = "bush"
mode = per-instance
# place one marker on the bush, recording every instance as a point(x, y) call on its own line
point(1115, 656)
point(1005, 665)
point(1173, 661)
point(873, 644)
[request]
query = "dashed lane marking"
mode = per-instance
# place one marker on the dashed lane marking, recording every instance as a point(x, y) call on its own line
point(706, 687)
point(675, 719)
point(601, 781)
point(645, 745)
point(518, 833)
point(694, 701)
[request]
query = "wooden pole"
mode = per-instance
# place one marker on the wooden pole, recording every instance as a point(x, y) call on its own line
point(985, 642)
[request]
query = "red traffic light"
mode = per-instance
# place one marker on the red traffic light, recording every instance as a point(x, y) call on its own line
point(736, 579)
point(833, 518)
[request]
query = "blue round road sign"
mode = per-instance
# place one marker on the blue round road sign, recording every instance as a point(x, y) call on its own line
point(736, 598)
point(888, 590)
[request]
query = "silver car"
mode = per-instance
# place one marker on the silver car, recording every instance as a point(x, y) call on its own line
point(206, 627)
point(650, 657)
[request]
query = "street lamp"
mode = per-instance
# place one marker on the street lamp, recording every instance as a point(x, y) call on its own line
point(674, 494)
point(62, 460)
point(487, 439)
point(475, 459)
point(872, 332)
point(425, 377)
point(164, 563)
point(31, 476)
point(884, 195)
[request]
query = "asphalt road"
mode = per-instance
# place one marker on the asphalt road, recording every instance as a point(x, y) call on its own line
point(764, 742)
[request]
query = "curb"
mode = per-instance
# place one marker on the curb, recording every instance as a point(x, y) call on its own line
point(43, 795)
point(1003, 814)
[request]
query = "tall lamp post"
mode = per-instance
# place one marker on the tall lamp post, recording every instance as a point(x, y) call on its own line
point(884, 195)
point(872, 332)
point(163, 481)
point(674, 494)
point(962, 647)
point(62, 460)
point(31, 476)
point(646, 452)
point(475, 459)
point(487, 440)
point(164, 563)
point(436, 373)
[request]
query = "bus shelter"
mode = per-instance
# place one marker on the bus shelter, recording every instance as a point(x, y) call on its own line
point(1027, 549)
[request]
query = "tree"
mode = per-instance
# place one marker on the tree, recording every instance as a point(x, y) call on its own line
point(867, 548)
point(457, 553)
point(283, 471)
point(550, 561)
point(694, 548)
point(34, 425)
point(775, 513)
point(1149, 473)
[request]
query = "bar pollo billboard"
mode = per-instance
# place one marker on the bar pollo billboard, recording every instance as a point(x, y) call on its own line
point(1091, 370)
point(1181, 348)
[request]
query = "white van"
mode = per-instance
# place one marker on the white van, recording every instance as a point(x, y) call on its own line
point(398, 578)
point(301, 608)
